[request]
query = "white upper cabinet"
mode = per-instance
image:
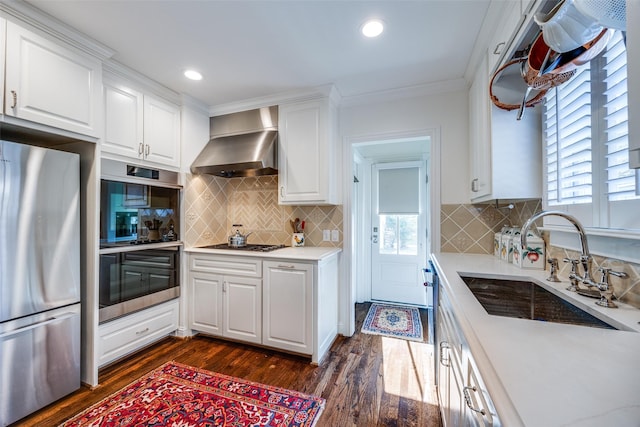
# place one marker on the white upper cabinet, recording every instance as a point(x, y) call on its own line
point(506, 153)
point(308, 153)
point(161, 131)
point(140, 126)
point(123, 109)
point(500, 43)
point(50, 84)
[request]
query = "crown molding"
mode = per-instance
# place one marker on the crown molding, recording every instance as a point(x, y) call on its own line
point(323, 91)
point(405, 92)
point(195, 104)
point(113, 69)
point(52, 27)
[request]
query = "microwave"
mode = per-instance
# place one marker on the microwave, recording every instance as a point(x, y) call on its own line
point(138, 205)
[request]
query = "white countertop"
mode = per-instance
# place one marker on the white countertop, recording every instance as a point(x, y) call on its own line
point(305, 253)
point(548, 374)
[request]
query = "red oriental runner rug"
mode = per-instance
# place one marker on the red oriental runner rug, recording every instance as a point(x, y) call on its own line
point(177, 395)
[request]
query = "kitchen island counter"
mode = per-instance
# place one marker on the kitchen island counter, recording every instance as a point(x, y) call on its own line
point(306, 253)
point(541, 373)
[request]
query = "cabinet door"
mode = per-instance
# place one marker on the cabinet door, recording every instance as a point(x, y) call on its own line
point(288, 306)
point(242, 310)
point(206, 302)
point(161, 132)
point(480, 134)
point(306, 164)
point(123, 110)
point(50, 84)
point(500, 44)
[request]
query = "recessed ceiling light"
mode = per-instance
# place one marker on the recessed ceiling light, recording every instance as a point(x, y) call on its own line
point(193, 75)
point(372, 28)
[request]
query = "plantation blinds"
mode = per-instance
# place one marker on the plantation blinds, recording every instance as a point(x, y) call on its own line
point(586, 143)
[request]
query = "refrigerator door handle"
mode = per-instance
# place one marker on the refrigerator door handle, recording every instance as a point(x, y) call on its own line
point(36, 325)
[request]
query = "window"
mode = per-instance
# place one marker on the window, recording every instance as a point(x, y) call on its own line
point(399, 234)
point(586, 144)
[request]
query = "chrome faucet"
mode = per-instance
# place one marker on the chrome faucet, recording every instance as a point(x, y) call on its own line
point(586, 260)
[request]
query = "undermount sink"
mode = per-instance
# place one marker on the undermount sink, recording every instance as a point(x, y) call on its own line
point(528, 300)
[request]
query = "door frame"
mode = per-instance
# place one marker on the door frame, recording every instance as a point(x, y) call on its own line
point(355, 257)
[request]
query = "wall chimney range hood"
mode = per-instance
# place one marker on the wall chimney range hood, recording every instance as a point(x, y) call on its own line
point(242, 144)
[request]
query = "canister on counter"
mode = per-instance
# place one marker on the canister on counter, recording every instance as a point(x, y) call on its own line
point(505, 243)
point(497, 241)
point(533, 256)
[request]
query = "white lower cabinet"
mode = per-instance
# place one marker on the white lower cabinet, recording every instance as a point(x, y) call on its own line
point(227, 305)
point(283, 304)
point(464, 400)
point(128, 334)
point(242, 308)
point(288, 306)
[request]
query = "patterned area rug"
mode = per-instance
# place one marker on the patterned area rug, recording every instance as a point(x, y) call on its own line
point(176, 395)
point(393, 321)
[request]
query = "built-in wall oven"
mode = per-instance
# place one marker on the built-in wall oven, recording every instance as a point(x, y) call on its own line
point(139, 238)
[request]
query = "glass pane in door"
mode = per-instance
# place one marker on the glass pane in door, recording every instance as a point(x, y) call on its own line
point(399, 234)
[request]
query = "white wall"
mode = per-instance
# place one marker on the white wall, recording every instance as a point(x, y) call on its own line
point(447, 112)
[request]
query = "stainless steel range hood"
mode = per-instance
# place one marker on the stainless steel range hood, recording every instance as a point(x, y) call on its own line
point(241, 144)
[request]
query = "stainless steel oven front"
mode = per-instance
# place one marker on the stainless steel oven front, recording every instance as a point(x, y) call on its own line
point(131, 280)
point(139, 238)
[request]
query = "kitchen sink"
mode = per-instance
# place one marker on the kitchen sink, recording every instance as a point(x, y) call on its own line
point(528, 300)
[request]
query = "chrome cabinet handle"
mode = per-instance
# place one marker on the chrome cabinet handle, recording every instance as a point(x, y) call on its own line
point(282, 192)
point(14, 94)
point(286, 266)
point(444, 361)
point(474, 185)
point(498, 48)
point(467, 399)
point(140, 149)
point(146, 150)
point(224, 286)
point(142, 331)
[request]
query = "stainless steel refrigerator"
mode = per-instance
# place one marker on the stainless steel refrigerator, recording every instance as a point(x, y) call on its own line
point(39, 278)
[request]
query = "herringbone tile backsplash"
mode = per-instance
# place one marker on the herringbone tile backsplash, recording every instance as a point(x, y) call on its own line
point(213, 205)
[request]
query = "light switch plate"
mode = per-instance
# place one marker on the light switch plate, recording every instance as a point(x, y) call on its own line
point(335, 235)
point(326, 235)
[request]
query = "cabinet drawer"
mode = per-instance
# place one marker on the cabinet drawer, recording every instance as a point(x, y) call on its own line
point(151, 258)
point(128, 334)
point(237, 266)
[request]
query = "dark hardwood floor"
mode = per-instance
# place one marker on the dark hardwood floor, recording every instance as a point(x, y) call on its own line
point(367, 380)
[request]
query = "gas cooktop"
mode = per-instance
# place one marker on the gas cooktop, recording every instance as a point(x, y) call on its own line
point(248, 247)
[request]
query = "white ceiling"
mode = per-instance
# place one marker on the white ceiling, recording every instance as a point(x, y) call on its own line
point(253, 49)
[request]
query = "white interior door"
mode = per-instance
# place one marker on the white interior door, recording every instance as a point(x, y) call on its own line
point(398, 222)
